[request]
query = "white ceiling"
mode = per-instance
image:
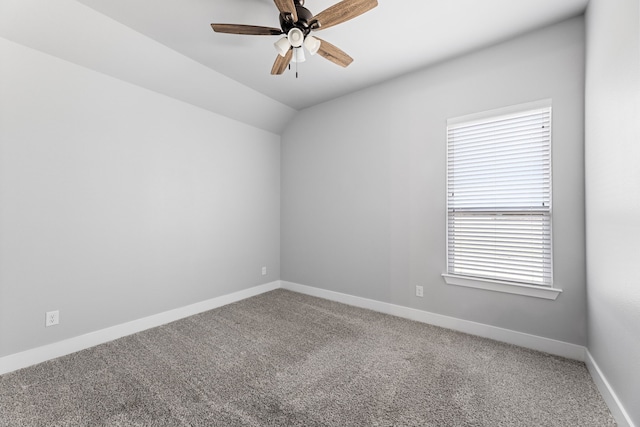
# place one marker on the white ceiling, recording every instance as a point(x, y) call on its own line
point(395, 38)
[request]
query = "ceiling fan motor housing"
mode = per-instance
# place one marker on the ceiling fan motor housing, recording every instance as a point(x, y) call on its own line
point(304, 23)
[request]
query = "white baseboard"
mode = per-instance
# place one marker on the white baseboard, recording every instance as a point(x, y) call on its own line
point(609, 396)
point(51, 351)
point(37, 355)
point(547, 345)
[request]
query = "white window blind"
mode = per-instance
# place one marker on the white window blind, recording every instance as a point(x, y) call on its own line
point(499, 197)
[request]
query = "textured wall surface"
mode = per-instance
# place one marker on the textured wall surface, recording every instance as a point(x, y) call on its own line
point(612, 152)
point(364, 203)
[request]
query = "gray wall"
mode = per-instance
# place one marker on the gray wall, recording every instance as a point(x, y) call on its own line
point(363, 184)
point(117, 202)
point(613, 194)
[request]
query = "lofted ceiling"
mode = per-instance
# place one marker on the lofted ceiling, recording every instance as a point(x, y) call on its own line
point(397, 37)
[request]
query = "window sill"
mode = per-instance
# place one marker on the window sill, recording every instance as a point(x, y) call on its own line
point(499, 286)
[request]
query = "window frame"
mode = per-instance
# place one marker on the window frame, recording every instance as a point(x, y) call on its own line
point(492, 284)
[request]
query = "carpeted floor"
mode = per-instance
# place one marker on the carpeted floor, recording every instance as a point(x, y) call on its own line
point(286, 359)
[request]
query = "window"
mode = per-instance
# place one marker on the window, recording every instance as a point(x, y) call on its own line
point(499, 200)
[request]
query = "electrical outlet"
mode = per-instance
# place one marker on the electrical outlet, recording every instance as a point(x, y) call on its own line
point(419, 291)
point(264, 271)
point(52, 318)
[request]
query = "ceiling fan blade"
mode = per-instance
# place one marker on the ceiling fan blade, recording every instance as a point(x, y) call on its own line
point(252, 30)
point(287, 7)
point(343, 11)
point(281, 63)
point(334, 54)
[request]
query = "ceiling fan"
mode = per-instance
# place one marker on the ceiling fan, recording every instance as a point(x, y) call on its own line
point(297, 23)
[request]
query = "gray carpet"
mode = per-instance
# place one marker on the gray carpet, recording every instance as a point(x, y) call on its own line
point(286, 359)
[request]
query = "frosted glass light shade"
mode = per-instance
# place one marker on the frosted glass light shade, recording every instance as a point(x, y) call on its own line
point(298, 55)
point(312, 44)
point(282, 46)
point(296, 37)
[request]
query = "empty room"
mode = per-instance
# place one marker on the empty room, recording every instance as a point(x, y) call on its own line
point(319, 213)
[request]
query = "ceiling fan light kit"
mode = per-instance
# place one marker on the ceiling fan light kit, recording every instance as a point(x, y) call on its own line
point(310, 43)
point(297, 23)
